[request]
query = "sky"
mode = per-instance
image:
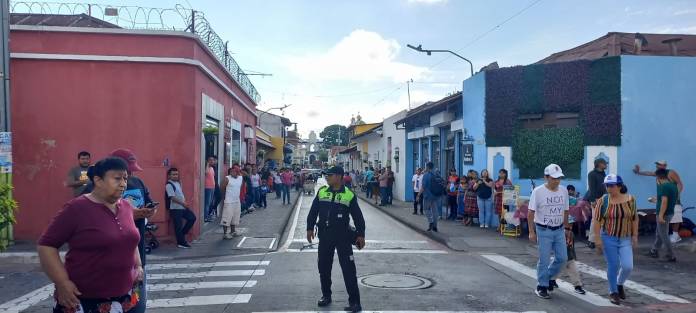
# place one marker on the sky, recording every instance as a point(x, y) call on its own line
point(333, 59)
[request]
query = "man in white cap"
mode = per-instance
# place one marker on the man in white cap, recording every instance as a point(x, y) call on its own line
point(548, 226)
point(673, 176)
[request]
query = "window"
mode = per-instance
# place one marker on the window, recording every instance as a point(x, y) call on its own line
point(436, 152)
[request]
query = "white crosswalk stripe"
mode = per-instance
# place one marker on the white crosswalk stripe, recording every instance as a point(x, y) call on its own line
point(170, 277)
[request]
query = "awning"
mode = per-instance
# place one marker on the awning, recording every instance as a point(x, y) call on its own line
point(349, 150)
point(264, 143)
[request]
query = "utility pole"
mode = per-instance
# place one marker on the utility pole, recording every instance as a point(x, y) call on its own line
point(408, 89)
point(5, 130)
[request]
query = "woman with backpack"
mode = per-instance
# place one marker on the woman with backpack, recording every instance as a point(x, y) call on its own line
point(616, 221)
point(484, 192)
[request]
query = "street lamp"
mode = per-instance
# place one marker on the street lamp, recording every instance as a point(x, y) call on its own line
point(429, 52)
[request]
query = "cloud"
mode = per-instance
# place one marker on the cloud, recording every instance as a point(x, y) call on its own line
point(427, 1)
point(675, 30)
point(362, 56)
point(684, 12)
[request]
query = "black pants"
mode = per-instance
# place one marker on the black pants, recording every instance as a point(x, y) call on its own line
point(452, 201)
point(262, 200)
point(180, 232)
point(327, 246)
point(417, 202)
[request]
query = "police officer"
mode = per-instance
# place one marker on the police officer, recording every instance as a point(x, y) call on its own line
point(332, 205)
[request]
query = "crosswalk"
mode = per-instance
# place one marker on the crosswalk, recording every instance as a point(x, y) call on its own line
point(202, 284)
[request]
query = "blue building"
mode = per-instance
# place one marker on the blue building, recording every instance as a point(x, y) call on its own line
point(611, 98)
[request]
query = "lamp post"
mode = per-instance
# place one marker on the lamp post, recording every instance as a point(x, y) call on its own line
point(429, 52)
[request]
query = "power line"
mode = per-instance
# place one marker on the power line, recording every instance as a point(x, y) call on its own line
point(359, 93)
point(488, 32)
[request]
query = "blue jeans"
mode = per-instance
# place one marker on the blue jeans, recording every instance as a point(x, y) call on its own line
point(439, 207)
point(548, 241)
point(619, 255)
point(486, 211)
point(286, 193)
point(429, 205)
point(257, 196)
point(368, 192)
point(208, 199)
point(383, 195)
point(390, 194)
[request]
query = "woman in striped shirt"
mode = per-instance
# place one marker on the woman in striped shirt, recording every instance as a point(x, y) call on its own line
point(616, 220)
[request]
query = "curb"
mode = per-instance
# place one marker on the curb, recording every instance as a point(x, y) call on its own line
point(289, 215)
point(418, 228)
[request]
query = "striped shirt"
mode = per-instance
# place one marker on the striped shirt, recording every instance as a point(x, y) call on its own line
point(618, 218)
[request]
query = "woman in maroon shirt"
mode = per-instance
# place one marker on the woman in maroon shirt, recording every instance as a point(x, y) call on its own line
point(102, 265)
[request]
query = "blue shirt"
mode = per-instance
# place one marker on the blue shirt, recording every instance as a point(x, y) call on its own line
point(427, 182)
point(368, 175)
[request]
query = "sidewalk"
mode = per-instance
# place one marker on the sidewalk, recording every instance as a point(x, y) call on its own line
point(262, 223)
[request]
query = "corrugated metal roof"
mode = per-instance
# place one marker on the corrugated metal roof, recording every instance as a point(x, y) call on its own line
point(79, 20)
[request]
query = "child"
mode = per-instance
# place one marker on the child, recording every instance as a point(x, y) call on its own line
point(262, 193)
point(461, 192)
point(570, 268)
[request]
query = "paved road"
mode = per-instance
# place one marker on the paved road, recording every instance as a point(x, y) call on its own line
point(287, 280)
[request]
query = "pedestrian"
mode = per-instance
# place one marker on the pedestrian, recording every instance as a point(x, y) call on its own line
point(77, 176)
point(255, 187)
point(353, 179)
point(263, 191)
point(417, 181)
point(179, 208)
point(547, 218)
point(484, 191)
point(431, 191)
point(471, 201)
point(209, 185)
point(616, 224)
point(461, 194)
point(452, 186)
point(383, 187)
point(376, 190)
point(333, 205)
point(667, 195)
point(231, 202)
point(595, 181)
point(102, 246)
point(277, 184)
point(571, 268)
point(348, 181)
point(673, 176)
point(369, 176)
point(287, 178)
point(390, 185)
point(500, 184)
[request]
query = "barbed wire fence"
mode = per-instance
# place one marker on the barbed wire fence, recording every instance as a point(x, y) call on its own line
point(178, 18)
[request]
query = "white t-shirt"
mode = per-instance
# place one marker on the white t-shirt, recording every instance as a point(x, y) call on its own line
point(276, 179)
point(549, 206)
point(233, 190)
point(417, 182)
point(255, 180)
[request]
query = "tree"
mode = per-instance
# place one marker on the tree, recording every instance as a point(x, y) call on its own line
point(323, 156)
point(334, 135)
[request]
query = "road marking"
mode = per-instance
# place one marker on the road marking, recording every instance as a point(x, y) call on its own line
point(387, 251)
point(206, 274)
point(568, 288)
point(26, 301)
point(201, 285)
point(272, 243)
point(375, 241)
point(405, 311)
point(241, 242)
point(200, 265)
point(640, 288)
point(198, 300)
point(291, 234)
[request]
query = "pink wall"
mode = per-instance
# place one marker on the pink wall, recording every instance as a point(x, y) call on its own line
point(62, 107)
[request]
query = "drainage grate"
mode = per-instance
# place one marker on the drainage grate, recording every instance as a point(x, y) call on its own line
point(395, 281)
point(256, 243)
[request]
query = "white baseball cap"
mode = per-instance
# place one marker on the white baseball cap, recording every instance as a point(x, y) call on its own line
point(554, 171)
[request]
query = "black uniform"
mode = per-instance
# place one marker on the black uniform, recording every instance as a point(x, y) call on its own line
point(333, 209)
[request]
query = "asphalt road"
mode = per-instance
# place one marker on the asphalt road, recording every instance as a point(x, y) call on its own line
point(287, 280)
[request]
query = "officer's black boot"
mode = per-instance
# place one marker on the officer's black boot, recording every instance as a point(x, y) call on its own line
point(354, 307)
point(324, 301)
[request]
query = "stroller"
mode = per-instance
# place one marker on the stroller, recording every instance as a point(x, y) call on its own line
point(151, 239)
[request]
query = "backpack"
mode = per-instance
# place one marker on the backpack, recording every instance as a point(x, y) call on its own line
point(167, 198)
point(437, 185)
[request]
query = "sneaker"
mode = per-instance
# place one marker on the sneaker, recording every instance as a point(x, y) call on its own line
point(614, 298)
point(542, 292)
point(552, 285)
point(653, 254)
point(228, 236)
point(675, 238)
point(591, 245)
point(671, 260)
point(578, 289)
point(184, 245)
point(622, 292)
point(481, 226)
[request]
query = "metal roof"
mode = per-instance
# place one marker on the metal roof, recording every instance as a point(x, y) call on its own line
point(78, 20)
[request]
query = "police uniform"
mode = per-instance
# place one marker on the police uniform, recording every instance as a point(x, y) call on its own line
point(333, 209)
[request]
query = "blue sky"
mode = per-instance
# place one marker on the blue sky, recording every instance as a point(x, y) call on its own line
point(332, 59)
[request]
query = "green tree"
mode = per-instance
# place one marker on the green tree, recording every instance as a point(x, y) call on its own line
point(334, 135)
point(323, 156)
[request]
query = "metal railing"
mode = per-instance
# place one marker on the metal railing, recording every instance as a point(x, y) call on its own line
point(133, 17)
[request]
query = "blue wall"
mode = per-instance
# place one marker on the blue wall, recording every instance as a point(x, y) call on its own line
point(658, 117)
point(474, 106)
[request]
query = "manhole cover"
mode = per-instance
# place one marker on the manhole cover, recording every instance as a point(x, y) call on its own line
point(256, 243)
point(395, 281)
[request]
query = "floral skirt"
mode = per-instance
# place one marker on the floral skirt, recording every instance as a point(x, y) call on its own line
point(121, 304)
point(471, 205)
